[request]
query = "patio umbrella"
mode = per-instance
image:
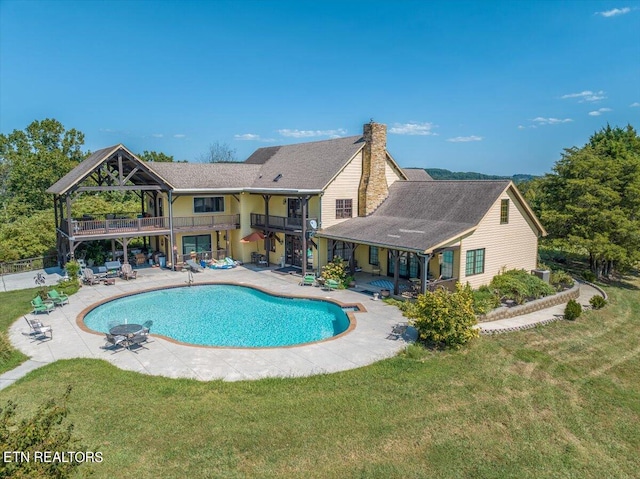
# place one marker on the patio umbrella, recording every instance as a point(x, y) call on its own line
point(255, 236)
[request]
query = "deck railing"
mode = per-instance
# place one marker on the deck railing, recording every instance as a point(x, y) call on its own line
point(142, 225)
point(29, 264)
point(277, 222)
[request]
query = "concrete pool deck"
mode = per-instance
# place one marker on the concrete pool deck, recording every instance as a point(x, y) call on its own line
point(372, 339)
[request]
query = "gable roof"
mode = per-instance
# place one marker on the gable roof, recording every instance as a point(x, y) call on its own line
point(207, 176)
point(305, 166)
point(423, 215)
point(85, 168)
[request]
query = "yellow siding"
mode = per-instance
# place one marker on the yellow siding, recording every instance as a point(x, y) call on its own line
point(344, 186)
point(391, 173)
point(512, 245)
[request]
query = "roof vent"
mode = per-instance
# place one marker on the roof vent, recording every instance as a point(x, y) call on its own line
point(278, 177)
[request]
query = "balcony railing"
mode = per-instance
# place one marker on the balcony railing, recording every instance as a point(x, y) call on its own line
point(144, 226)
point(284, 223)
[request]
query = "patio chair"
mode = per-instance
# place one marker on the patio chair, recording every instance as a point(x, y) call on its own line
point(330, 284)
point(115, 341)
point(308, 280)
point(39, 331)
point(138, 338)
point(42, 306)
point(193, 266)
point(89, 278)
point(127, 272)
point(58, 298)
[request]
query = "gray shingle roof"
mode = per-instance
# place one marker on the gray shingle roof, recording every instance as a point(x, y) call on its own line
point(304, 165)
point(416, 174)
point(83, 169)
point(420, 215)
point(194, 176)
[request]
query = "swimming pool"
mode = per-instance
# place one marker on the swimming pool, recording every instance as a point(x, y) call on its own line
point(224, 315)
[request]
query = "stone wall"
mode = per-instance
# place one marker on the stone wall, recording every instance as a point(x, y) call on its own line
point(373, 188)
point(531, 306)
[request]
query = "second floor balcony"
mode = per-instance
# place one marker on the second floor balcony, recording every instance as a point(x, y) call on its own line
point(149, 226)
point(279, 223)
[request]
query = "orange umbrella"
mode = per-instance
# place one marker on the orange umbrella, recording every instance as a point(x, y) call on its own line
point(255, 236)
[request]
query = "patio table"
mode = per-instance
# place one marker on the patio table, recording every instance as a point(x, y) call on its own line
point(125, 329)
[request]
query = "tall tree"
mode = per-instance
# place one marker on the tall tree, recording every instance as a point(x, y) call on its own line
point(592, 199)
point(33, 159)
point(219, 153)
point(155, 156)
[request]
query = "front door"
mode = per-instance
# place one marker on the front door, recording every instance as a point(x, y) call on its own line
point(293, 250)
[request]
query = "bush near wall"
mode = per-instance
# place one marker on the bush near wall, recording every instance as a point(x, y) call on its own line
point(518, 285)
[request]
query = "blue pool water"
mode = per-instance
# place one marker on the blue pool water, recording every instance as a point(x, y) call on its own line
point(224, 315)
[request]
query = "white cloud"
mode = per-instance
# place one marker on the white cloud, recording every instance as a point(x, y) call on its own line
point(614, 12)
point(157, 135)
point(586, 95)
point(107, 130)
point(634, 104)
point(520, 127)
point(312, 133)
point(464, 139)
point(599, 111)
point(251, 137)
point(413, 128)
point(550, 121)
point(180, 135)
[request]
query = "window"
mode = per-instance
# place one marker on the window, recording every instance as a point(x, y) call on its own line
point(504, 212)
point(343, 208)
point(446, 267)
point(475, 262)
point(373, 256)
point(198, 244)
point(212, 204)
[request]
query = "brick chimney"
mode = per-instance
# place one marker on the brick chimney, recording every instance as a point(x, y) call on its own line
point(373, 188)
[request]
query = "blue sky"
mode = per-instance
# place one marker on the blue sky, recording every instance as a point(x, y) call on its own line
point(495, 87)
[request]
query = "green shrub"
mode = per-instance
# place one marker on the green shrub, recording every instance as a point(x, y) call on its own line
point(444, 318)
point(561, 280)
point(589, 275)
point(573, 310)
point(6, 350)
point(484, 300)
point(336, 269)
point(73, 268)
point(518, 285)
point(597, 302)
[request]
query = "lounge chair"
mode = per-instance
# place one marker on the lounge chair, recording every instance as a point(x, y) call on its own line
point(193, 266)
point(89, 278)
point(308, 280)
point(113, 267)
point(39, 331)
point(42, 306)
point(127, 272)
point(115, 342)
point(330, 284)
point(58, 298)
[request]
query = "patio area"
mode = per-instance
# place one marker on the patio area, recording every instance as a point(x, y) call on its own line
point(372, 339)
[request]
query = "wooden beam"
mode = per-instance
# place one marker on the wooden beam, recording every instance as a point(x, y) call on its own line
point(119, 188)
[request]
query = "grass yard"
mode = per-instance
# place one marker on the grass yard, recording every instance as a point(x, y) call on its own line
point(559, 401)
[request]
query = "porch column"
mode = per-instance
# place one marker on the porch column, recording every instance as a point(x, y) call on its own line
point(304, 200)
point(70, 228)
point(266, 225)
point(172, 252)
point(424, 272)
point(395, 256)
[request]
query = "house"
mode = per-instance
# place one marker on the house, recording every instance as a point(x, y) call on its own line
point(310, 202)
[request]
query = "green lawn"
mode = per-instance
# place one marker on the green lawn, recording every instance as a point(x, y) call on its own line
point(559, 401)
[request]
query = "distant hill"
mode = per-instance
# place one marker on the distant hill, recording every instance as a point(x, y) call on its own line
point(441, 174)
